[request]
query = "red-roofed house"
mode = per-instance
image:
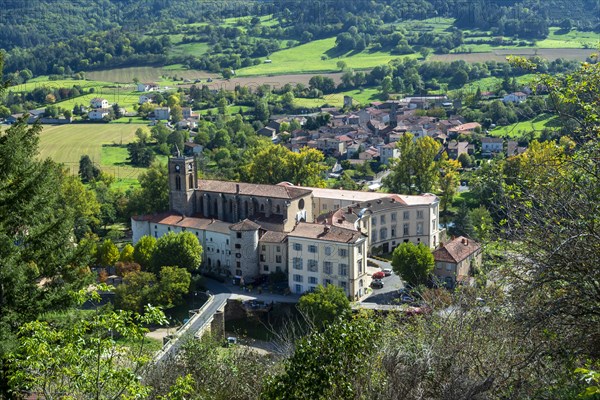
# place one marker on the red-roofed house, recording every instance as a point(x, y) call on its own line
point(455, 261)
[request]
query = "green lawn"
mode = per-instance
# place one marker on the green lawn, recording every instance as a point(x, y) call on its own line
point(491, 83)
point(189, 49)
point(307, 58)
point(573, 39)
point(125, 97)
point(67, 143)
point(363, 97)
point(537, 125)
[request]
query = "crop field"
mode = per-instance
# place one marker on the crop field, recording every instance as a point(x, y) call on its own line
point(189, 49)
point(67, 143)
point(500, 55)
point(491, 83)
point(42, 81)
point(147, 74)
point(534, 125)
point(317, 56)
point(362, 97)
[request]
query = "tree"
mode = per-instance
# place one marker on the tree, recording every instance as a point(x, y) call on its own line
point(153, 194)
point(87, 170)
point(85, 205)
point(82, 358)
point(142, 135)
point(39, 259)
point(160, 133)
point(176, 113)
point(138, 289)
point(414, 263)
point(108, 253)
point(328, 364)
point(140, 155)
point(177, 249)
point(465, 160)
point(144, 250)
point(481, 222)
point(341, 65)
point(415, 170)
point(325, 304)
point(174, 283)
point(448, 181)
point(127, 253)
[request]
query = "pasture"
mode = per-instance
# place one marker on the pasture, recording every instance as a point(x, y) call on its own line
point(315, 57)
point(67, 143)
point(535, 125)
point(359, 97)
point(148, 74)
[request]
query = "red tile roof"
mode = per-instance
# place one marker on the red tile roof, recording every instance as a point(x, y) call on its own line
point(456, 250)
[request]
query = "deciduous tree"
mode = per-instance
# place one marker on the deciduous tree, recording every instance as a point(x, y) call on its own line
point(177, 249)
point(325, 304)
point(414, 263)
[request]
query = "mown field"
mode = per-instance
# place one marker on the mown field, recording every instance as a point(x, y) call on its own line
point(536, 125)
point(361, 97)
point(67, 143)
point(160, 75)
point(317, 56)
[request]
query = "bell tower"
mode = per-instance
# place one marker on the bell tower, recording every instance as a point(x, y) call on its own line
point(183, 181)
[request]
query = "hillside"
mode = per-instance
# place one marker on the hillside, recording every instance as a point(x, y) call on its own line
point(57, 37)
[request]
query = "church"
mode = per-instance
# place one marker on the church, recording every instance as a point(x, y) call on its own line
point(314, 235)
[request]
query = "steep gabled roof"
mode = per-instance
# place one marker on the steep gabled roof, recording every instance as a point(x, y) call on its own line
point(456, 250)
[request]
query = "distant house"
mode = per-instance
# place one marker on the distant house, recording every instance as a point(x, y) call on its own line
point(387, 152)
point(162, 113)
point(192, 149)
point(268, 132)
point(467, 128)
point(98, 114)
point(455, 261)
point(147, 87)
point(516, 97)
point(98, 102)
point(491, 145)
point(146, 98)
point(513, 148)
point(455, 149)
point(186, 112)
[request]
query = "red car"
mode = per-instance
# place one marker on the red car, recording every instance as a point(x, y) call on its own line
point(379, 275)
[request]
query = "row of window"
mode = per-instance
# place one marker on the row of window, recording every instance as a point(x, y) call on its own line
point(313, 280)
point(383, 232)
point(313, 266)
point(328, 250)
point(278, 259)
point(264, 248)
point(393, 216)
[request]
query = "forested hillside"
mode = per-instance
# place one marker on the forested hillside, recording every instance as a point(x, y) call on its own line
point(53, 37)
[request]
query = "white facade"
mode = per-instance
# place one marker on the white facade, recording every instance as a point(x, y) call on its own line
point(313, 262)
point(98, 114)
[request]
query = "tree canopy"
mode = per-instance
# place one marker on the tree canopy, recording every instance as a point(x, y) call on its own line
point(414, 263)
point(325, 304)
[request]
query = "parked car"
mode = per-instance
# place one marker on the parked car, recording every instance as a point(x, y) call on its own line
point(378, 275)
point(231, 341)
point(377, 283)
point(387, 271)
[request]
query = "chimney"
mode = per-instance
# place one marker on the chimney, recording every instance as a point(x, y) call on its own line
point(326, 229)
point(465, 241)
point(237, 188)
point(349, 210)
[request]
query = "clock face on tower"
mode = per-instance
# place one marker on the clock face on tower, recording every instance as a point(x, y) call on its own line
point(177, 168)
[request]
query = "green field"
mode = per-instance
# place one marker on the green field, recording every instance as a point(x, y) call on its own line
point(148, 74)
point(536, 125)
point(308, 58)
point(231, 110)
point(362, 97)
point(189, 49)
point(67, 143)
point(490, 83)
point(42, 81)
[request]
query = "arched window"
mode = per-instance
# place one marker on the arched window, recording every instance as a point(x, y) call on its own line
point(191, 181)
point(262, 208)
point(278, 209)
point(177, 183)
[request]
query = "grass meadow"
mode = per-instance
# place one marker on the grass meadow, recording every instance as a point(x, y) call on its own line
point(67, 143)
point(362, 97)
point(535, 125)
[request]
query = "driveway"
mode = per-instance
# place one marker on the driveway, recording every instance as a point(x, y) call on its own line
point(391, 285)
